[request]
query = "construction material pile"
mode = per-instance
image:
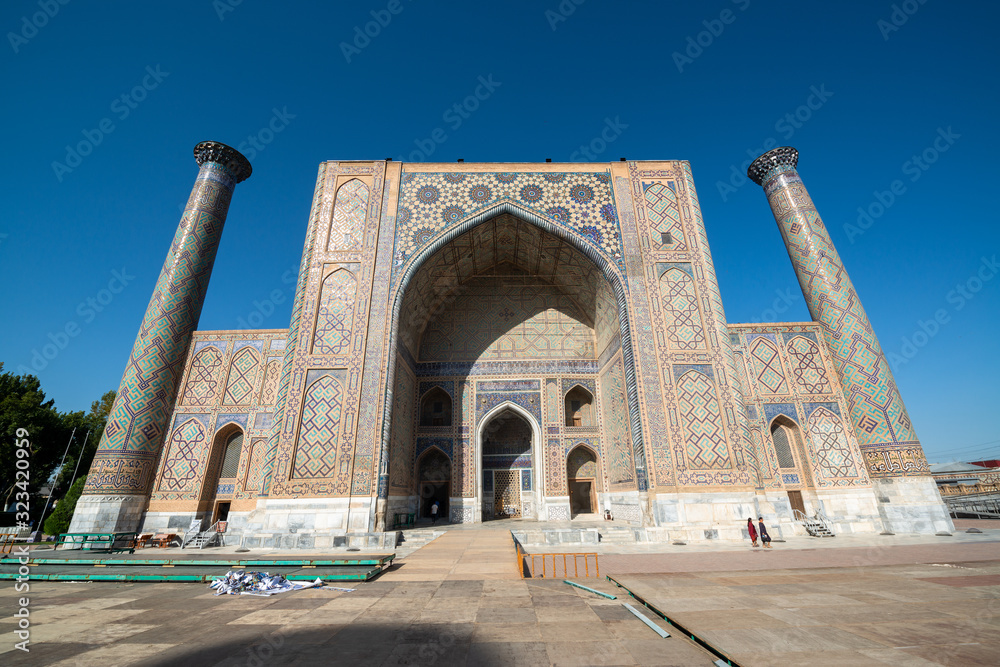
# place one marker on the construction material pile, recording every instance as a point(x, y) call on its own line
point(244, 582)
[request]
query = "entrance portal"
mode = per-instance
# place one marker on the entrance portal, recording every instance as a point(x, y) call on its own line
point(434, 474)
point(507, 466)
point(581, 477)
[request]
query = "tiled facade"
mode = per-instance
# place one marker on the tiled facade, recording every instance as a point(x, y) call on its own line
point(493, 330)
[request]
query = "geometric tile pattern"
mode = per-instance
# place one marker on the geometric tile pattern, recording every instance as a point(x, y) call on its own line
point(501, 319)
point(807, 366)
point(336, 310)
point(661, 205)
point(620, 463)
point(684, 327)
point(833, 452)
point(242, 377)
point(348, 216)
point(769, 372)
point(401, 454)
point(203, 379)
point(886, 438)
point(316, 454)
point(251, 483)
point(186, 452)
point(269, 388)
point(145, 397)
point(579, 202)
point(705, 445)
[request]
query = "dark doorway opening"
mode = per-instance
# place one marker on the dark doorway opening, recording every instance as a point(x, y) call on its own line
point(795, 499)
point(434, 474)
point(221, 512)
point(581, 497)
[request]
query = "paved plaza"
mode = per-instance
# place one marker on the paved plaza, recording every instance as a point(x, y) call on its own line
point(459, 601)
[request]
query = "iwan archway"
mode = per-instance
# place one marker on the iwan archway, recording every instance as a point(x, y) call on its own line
point(499, 318)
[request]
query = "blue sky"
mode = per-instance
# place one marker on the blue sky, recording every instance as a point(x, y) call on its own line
point(860, 88)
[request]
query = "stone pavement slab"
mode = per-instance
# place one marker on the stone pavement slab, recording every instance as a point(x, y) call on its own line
point(914, 617)
point(460, 601)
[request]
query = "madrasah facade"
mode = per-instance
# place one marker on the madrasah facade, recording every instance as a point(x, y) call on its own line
point(535, 340)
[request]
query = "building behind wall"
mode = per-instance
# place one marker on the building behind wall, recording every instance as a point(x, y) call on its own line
point(544, 341)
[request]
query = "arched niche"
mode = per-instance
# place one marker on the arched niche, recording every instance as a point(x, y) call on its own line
point(579, 407)
point(435, 408)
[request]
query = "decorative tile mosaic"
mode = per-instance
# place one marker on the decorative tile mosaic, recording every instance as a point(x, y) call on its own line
point(317, 451)
point(884, 429)
point(444, 444)
point(348, 223)
point(138, 419)
point(336, 312)
point(705, 446)
point(243, 373)
point(507, 385)
point(582, 203)
point(769, 373)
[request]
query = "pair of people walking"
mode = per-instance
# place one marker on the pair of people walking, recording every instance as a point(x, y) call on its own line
point(765, 539)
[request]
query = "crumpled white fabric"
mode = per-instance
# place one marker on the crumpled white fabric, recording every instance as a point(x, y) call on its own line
point(252, 582)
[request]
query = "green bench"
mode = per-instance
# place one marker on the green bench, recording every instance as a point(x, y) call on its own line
point(107, 542)
point(404, 520)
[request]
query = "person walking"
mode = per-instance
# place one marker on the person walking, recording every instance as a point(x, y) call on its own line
point(752, 531)
point(434, 512)
point(765, 539)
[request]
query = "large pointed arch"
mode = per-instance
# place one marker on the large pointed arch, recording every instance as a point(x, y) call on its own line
point(609, 271)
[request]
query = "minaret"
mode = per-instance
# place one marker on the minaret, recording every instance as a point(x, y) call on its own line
point(121, 476)
point(908, 497)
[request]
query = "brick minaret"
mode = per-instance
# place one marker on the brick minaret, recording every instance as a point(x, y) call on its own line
point(121, 476)
point(889, 446)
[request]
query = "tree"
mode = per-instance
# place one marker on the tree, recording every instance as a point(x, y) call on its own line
point(60, 519)
point(23, 406)
point(93, 422)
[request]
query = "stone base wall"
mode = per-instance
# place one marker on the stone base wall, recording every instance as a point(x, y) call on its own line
point(723, 516)
point(912, 505)
point(107, 514)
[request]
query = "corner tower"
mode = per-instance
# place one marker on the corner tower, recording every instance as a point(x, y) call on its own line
point(908, 498)
point(121, 476)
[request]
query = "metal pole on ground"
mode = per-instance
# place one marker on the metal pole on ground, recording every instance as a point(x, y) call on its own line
point(41, 519)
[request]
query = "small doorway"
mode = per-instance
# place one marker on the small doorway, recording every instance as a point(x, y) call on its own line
point(581, 478)
point(581, 497)
point(795, 500)
point(434, 474)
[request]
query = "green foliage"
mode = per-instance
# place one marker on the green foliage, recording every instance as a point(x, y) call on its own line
point(23, 406)
point(60, 519)
point(93, 422)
